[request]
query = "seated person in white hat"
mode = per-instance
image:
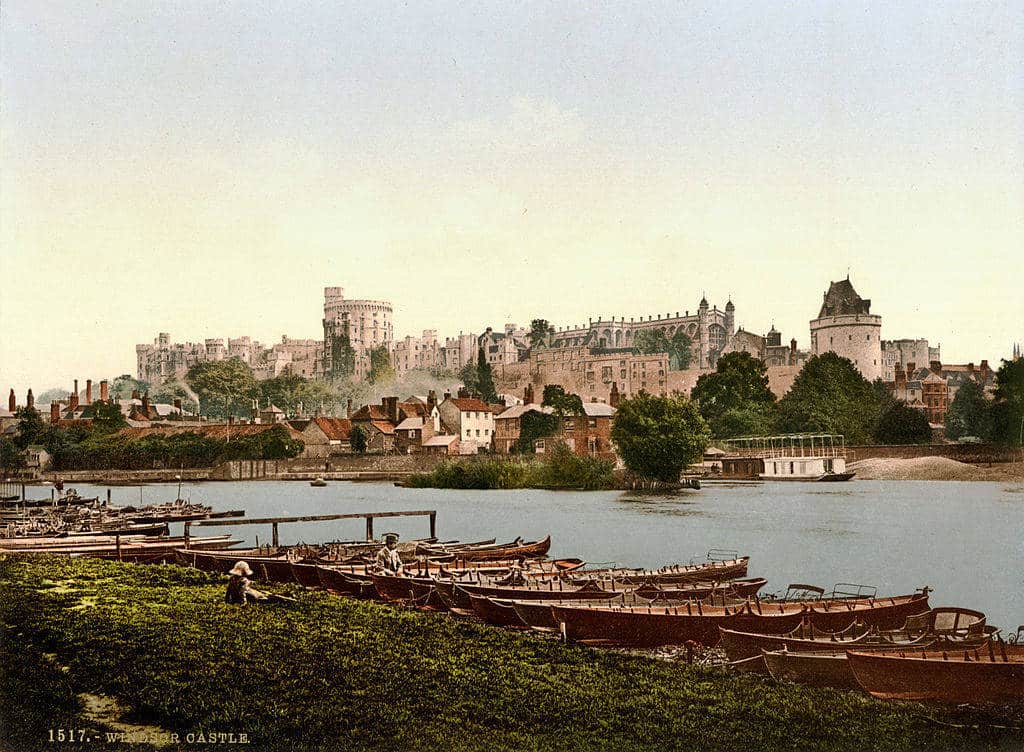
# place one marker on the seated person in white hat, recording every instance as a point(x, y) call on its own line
point(388, 558)
point(240, 591)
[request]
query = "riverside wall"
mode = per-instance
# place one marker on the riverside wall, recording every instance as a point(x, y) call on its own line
point(975, 454)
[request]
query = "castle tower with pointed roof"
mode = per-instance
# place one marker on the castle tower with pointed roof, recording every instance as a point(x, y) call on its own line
point(846, 326)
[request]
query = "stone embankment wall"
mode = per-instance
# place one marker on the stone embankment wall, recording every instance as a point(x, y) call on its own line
point(339, 467)
point(970, 453)
point(126, 477)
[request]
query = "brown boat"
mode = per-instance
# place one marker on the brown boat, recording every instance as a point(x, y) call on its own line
point(820, 669)
point(497, 612)
point(993, 674)
point(306, 575)
point(503, 552)
point(712, 571)
point(949, 626)
point(654, 626)
point(267, 567)
point(336, 580)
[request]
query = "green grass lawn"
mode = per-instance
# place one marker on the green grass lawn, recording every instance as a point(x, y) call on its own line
point(334, 673)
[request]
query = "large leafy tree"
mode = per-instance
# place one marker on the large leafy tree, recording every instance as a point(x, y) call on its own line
point(380, 365)
point(970, 413)
point(541, 332)
point(485, 378)
point(901, 424)
point(224, 387)
point(563, 404)
point(678, 346)
point(122, 387)
point(107, 416)
point(173, 389)
point(659, 436)
point(830, 395)
point(535, 425)
point(30, 427)
point(1008, 410)
point(357, 439)
point(735, 400)
point(468, 377)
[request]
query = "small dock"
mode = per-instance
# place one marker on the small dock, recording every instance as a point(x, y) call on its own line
point(274, 522)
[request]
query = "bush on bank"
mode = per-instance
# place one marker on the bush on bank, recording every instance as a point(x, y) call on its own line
point(559, 468)
point(334, 673)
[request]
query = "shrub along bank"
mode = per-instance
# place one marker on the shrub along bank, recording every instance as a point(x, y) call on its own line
point(334, 673)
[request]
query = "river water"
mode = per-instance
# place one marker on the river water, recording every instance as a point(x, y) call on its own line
point(963, 539)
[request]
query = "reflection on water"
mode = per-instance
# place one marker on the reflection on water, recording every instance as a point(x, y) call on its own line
point(962, 538)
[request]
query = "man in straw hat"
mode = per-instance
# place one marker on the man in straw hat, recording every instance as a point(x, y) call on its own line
point(388, 558)
point(240, 591)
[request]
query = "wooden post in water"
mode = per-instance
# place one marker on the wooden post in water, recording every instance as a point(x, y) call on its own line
point(117, 543)
point(23, 492)
point(108, 497)
point(188, 526)
point(433, 524)
point(273, 526)
point(369, 527)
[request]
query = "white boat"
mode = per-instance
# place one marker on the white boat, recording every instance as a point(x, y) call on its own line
point(802, 457)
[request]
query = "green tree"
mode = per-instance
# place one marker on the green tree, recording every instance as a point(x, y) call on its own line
point(343, 356)
point(10, 455)
point(283, 391)
point(224, 387)
point(830, 395)
point(173, 389)
point(30, 427)
point(735, 400)
point(562, 403)
point(678, 347)
point(540, 333)
point(122, 387)
point(357, 439)
point(107, 416)
point(380, 365)
point(1008, 409)
point(535, 425)
point(468, 377)
point(901, 424)
point(659, 436)
point(970, 413)
point(485, 378)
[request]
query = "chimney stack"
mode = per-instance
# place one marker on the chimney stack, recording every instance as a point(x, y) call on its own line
point(935, 367)
point(145, 404)
point(54, 412)
point(135, 394)
point(76, 392)
point(970, 367)
point(348, 408)
point(910, 370)
point(984, 367)
point(104, 391)
point(12, 402)
point(30, 401)
point(431, 401)
point(88, 391)
point(613, 397)
point(391, 407)
point(177, 404)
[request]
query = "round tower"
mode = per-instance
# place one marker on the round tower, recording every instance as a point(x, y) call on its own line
point(846, 327)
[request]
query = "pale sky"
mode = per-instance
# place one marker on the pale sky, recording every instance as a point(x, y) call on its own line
point(207, 168)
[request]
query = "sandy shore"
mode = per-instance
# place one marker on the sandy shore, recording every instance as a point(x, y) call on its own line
point(936, 468)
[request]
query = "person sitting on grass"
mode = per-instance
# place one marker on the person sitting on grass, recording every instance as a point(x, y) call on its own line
point(240, 591)
point(388, 558)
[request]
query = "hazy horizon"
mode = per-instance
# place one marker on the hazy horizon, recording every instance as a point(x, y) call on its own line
point(208, 170)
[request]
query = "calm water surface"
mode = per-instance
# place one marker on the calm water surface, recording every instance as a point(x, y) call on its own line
point(964, 540)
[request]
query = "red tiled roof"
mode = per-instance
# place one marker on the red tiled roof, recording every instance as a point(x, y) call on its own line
point(470, 404)
point(370, 412)
point(336, 429)
point(216, 431)
point(413, 409)
point(383, 426)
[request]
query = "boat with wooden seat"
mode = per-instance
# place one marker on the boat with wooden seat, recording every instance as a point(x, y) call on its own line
point(654, 626)
point(942, 626)
point(819, 669)
point(991, 674)
point(504, 552)
point(712, 571)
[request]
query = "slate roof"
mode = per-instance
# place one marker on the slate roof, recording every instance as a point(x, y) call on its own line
point(841, 299)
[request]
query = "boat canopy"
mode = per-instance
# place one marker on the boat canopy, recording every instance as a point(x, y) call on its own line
point(787, 445)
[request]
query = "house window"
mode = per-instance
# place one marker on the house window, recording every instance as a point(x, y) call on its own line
point(468, 433)
point(592, 423)
point(570, 425)
point(478, 432)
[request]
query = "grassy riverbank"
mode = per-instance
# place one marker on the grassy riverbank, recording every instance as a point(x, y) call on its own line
point(333, 673)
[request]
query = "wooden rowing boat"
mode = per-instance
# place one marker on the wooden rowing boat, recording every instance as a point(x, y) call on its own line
point(503, 552)
point(820, 669)
point(942, 626)
point(497, 612)
point(712, 571)
point(654, 626)
point(993, 674)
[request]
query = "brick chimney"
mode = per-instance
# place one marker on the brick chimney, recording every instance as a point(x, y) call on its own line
point(935, 366)
point(613, 396)
point(528, 394)
point(900, 380)
point(431, 401)
point(12, 402)
point(88, 391)
point(391, 408)
point(348, 408)
point(136, 394)
point(104, 391)
point(177, 404)
point(30, 401)
point(76, 392)
point(984, 368)
point(910, 370)
point(970, 367)
point(145, 404)
point(54, 412)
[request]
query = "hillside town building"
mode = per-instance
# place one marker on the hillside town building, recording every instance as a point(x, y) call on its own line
point(846, 326)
